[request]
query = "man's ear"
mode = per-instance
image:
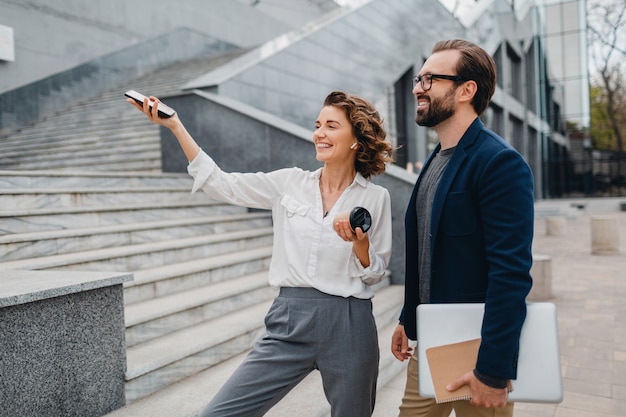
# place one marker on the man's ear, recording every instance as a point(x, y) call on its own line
point(468, 91)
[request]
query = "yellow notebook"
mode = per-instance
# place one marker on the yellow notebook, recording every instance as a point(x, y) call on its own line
point(449, 362)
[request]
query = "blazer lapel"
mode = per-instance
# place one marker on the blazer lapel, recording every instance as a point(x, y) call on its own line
point(450, 173)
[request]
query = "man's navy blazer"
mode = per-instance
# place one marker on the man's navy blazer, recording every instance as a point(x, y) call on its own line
point(481, 243)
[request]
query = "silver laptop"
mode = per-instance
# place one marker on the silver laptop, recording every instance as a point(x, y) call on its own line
point(539, 377)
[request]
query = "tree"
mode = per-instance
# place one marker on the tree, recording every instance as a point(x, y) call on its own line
point(602, 127)
point(606, 22)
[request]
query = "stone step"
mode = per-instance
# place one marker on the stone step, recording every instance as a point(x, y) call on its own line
point(42, 219)
point(139, 165)
point(140, 152)
point(79, 142)
point(157, 317)
point(50, 138)
point(56, 242)
point(76, 179)
point(132, 257)
point(81, 157)
point(148, 163)
point(126, 120)
point(122, 141)
point(159, 281)
point(188, 396)
point(158, 363)
point(36, 198)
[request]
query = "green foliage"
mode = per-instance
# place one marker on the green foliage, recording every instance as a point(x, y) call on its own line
point(606, 20)
point(602, 132)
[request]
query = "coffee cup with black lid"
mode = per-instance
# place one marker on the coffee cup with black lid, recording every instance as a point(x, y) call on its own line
point(357, 217)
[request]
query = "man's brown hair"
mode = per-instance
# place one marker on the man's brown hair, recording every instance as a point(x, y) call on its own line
point(474, 64)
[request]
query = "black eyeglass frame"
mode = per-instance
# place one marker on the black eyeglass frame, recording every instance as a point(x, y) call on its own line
point(421, 79)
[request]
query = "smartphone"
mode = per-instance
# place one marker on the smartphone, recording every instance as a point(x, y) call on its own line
point(165, 111)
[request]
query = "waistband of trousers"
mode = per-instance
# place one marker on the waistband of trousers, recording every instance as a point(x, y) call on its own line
point(303, 292)
point(311, 293)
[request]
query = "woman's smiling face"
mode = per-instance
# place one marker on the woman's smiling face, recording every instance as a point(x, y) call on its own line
point(333, 135)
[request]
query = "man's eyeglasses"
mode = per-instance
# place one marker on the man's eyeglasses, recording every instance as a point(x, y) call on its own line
point(426, 80)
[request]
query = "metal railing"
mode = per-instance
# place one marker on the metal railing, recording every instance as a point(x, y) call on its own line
point(595, 175)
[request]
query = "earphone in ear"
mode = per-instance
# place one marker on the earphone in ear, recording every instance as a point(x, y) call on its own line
point(354, 145)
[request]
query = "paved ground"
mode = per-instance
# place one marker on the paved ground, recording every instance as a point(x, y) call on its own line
point(590, 294)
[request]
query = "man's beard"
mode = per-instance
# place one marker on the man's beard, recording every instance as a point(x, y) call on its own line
point(439, 109)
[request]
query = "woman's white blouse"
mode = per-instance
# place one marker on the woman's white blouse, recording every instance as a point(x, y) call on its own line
point(307, 251)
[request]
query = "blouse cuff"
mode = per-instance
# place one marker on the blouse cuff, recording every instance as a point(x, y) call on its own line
point(373, 273)
point(200, 169)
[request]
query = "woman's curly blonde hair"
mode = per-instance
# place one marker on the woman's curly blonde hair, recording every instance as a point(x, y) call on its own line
point(367, 125)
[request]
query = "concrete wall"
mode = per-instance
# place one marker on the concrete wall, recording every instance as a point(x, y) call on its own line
point(363, 51)
point(294, 13)
point(63, 350)
point(54, 35)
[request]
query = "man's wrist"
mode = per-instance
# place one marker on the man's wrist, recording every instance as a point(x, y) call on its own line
point(491, 381)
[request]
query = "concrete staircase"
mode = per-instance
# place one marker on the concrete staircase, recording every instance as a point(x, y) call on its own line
point(105, 133)
point(83, 190)
point(200, 291)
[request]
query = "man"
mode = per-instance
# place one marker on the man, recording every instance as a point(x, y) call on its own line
point(469, 228)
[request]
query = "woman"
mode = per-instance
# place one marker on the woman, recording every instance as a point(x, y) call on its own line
point(322, 318)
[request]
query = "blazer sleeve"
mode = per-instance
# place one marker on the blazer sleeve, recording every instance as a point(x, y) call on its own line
point(506, 205)
point(411, 285)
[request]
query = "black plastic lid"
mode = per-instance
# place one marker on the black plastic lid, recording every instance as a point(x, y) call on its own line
point(360, 217)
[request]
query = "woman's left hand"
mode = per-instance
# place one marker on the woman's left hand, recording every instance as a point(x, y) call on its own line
point(360, 241)
point(344, 231)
